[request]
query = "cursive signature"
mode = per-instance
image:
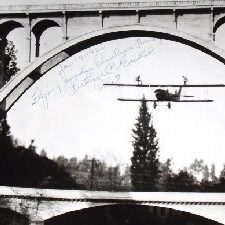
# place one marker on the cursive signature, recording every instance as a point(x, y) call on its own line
point(95, 66)
point(39, 95)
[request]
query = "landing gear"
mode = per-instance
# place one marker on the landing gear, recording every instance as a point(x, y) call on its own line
point(168, 105)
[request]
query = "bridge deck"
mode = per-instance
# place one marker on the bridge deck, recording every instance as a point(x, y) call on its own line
point(68, 195)
point(110, 5)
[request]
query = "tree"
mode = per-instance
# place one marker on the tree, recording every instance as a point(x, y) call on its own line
point(43, 153)
point(197, 167)
point(184, 182)
point(166, 176)
point(221, 184)
point(144, 162)
point(10, 61)
point(206, 185)
point(213, 173)
point(4, 127)
point(205, 174)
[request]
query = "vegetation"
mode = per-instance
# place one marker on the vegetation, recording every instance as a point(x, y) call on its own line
point(21, 166)
point(144, 162)
point(146, 172)
point(10, 61)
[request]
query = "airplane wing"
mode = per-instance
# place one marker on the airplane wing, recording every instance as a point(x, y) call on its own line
point(152, 100)
point(165, 85)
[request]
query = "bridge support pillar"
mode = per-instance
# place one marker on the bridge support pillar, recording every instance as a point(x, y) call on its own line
point(175, 18)
point(64, 27)
point(138, 19)
point(37, 50)
point(28, 44)
point(211, 31)
point(102, 18)
point(3, 44)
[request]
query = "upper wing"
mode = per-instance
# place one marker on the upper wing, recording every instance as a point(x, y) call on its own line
point(166, 85)
point(152, 100)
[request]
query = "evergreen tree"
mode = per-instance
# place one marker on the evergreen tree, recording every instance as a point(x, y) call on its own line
point(166, 176)
point(144, 162)
point(10, 61)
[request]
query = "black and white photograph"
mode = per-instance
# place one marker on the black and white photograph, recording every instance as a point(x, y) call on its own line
point(112, 112)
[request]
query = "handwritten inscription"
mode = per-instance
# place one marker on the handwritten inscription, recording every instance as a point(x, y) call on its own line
point(95, 66)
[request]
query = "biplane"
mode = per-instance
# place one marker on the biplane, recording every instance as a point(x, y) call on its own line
point(167, 96)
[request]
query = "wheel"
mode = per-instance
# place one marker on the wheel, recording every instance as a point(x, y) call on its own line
point(169, 105)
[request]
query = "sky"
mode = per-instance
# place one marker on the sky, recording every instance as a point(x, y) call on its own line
point(81, 117)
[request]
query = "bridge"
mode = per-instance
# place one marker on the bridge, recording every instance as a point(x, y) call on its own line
point(83, 25)
point(198, 18)
point(43, 205)
point(193, 23)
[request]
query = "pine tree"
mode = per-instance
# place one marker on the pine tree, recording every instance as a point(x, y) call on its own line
point(10, 61)
point(144, 162)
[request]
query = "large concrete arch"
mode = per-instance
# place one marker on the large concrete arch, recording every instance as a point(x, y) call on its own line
point(18, 85)
point(129, 214)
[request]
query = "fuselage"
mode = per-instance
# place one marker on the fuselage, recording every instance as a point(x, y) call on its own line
point(165, 95)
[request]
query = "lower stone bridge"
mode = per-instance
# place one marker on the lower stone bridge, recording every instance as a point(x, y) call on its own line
point(44, 206)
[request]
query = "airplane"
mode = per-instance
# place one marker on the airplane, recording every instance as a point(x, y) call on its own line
point(163, 95)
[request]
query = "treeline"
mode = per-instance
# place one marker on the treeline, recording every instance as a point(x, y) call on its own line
point(196, 178)
point(22, 166)
point(94, 174)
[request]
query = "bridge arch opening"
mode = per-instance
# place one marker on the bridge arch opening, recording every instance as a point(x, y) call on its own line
point(20, 84)
point(130, 215)
point(8, 217)
point(39, 28)
point(7, 27)
point(65, 53)
point(218, 30)
point(41, 66)
point(218, 24)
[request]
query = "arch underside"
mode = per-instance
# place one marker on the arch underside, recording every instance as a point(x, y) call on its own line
point(43, 25)
point(7, 27)
point(18, 85)
point(129, 214)
point(8, 217)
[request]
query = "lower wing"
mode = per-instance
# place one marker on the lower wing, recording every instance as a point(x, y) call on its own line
point(152, 100)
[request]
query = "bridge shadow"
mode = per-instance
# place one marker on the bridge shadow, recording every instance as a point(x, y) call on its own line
point(129, 214)
point(10, 217)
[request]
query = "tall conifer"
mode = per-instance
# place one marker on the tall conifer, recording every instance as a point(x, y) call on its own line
point(144, 162)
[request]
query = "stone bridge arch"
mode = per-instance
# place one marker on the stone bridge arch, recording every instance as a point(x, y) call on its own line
point(18, 85)
point(129, 214)
point(9, 216)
